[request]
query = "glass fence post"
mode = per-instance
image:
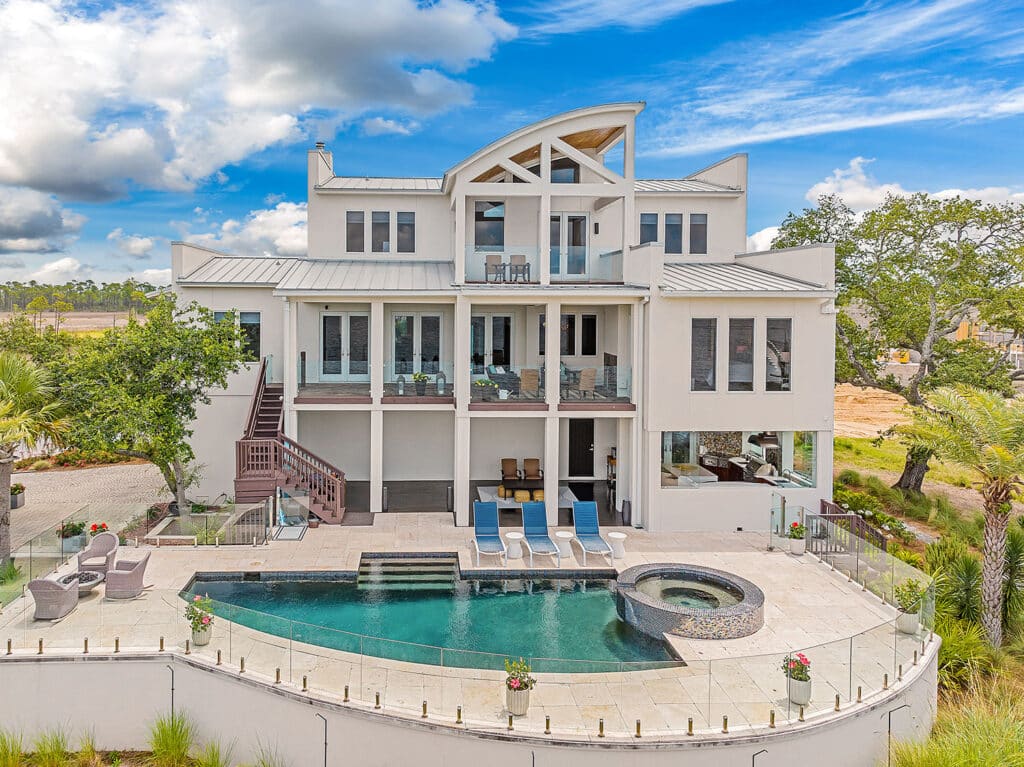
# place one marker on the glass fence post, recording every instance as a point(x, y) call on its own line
point(849, 690)
point(291, 631)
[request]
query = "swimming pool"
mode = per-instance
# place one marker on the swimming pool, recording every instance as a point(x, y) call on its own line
point(561, 625)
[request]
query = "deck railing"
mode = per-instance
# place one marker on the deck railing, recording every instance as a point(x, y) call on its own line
point(842, 518)
point(257, 398)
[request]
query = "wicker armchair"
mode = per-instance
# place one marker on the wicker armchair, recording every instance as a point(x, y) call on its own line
point(125, 580)
point(99, 556)
point(53, 600)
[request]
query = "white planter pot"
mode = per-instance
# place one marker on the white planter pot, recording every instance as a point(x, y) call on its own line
point(201, 637)
point(908, 623)
point(503, 393)
point(799, 691)
point(517, 701)
point(797, 546)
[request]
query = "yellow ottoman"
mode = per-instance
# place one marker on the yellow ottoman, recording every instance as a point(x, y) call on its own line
point(522, 496)
point(501, 491)
point(538, 495)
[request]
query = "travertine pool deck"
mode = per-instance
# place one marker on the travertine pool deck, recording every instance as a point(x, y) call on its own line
point(847, 633)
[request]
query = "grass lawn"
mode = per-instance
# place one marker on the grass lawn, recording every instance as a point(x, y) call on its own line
point(889, 455)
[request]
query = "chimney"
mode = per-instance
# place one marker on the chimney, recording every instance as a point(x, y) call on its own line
point(320, 164)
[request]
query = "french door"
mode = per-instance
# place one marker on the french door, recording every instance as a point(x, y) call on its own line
point(490, 341)
point(569, 245)
point(345, 346)
point(416, 343)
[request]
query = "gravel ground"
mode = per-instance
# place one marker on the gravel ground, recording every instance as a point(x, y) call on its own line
point(111, 492)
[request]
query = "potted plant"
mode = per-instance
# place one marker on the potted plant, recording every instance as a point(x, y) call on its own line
point(17, 495)
point(98, 528)
point(420, 381)
point(797, 669)
point(199, 615)
point(908, 599)
point(797, 539)
point(487, 388)
point(72, 535)
point(518, 684)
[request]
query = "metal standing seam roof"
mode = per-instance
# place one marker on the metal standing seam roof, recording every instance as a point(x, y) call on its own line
point(731, 278)
point(376, 183)
point(368, 276)
point(679, 185)
point(240, 270)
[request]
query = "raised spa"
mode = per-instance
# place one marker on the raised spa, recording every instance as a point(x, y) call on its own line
point(688, 601)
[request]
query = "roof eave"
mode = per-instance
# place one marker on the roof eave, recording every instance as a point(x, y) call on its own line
point(672, 293)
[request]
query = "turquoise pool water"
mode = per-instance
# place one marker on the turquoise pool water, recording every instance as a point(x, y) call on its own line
point(560, 625)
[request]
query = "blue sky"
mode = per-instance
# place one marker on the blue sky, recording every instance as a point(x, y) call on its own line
point(123, 127)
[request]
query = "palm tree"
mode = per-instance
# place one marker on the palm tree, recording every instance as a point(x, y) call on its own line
point(984, 433)
point(29, 412)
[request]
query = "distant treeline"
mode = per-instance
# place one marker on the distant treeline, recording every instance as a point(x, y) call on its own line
point(82, 295)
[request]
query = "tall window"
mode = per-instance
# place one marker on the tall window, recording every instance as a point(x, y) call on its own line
point(565, 171)
point(588, 335)
point(703, 340)
point(805, 457)
point(741, 355)
point(248, 324)
point(489, 228)
point(406, 232)
point(779, 348)
point(380, 231)
point(673, 232)
point(699, 233)
point(648, 227)
point(542, 337)
point(354, 237)
point(569, 334)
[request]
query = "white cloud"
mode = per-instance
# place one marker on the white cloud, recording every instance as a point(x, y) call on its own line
point(276, 231)
point(132, 245)
point(60, 271)
point(164, 94)
point(762, 239)
point(377, 126)
point(559, 17)
point(11, 262)
point(33, 222)
point(156, 276)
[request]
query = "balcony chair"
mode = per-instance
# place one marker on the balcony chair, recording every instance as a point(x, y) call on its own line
point(100, 554)
point(125, 580)
point(487, 537)
point(505, 378)
point(529, 383)
point(588, 383)
point(535, 532)
point(509, 469)
point(494, 266)
point(532, 469)
point(518, 269)
point(588, 531)
point(53, 600)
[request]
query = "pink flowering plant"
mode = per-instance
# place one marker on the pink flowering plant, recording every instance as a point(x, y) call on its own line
point(797, 667)
point(199, 613)
point(518, 672)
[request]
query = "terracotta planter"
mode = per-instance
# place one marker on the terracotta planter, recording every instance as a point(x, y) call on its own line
point(797, 546)
point(517, 701)
point(799, 691)
point(908, 623)
point(17, 501)
point(201, 637)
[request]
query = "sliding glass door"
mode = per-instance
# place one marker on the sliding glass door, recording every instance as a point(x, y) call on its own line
point(490, 341)
point(568, 245)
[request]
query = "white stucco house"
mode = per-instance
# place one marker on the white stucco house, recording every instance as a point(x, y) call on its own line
point(537, 301)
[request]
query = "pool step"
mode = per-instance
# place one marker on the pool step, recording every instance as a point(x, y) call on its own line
point(427, 572)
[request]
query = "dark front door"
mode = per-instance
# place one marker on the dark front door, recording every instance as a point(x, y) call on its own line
point(581, 447)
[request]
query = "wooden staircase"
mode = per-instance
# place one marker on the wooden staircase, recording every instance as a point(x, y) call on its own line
point(266, 459)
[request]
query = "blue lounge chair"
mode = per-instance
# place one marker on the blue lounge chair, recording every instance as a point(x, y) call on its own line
point(588, 532)
point(487, 537)
point(535, 531)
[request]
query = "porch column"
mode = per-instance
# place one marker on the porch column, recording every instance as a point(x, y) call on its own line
point(377, 336)
point(460, 373)
point(376, 460)
point(462, 499)
point(640, 459)
point(551, 455)
point(552, 352)
point(459, 243)
point(629, 220)
point(544, 230)
point(288, 363)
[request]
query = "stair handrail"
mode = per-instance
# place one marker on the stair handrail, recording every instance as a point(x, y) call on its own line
point(330, 490)
point(309, 455)
point(257, 397)
point(834, 513)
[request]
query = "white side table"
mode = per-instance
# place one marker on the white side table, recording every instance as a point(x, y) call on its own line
point(563, 540)
point(618, 543)
point(515, 545)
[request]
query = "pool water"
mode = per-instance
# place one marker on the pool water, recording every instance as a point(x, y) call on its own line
point(689, 592)
point(560, 625)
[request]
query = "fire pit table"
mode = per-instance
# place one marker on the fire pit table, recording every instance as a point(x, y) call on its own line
point(87, 581)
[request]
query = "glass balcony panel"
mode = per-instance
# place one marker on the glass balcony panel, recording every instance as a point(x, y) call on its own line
point(502, 383)
point(513, 265)
point(433, 378)
point(600, 383)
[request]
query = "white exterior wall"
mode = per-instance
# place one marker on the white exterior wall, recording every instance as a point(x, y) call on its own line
point(419, 445)
point(495, 438)
point(726, 216)
point(343, 438)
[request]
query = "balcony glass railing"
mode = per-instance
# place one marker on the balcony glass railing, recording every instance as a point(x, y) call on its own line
point(432, 379)
point(511, 266)
point(500, 383)
point(608, 383)
point(579, 265)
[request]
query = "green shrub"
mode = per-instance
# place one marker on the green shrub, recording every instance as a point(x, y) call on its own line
point(9, 572)
point(854, 501)
point(849, 477)
point(51, 750)
point(41, 465)
point(912, 558)
point(950, 520)
point(965, 655)
point(11, 752)
point(958, 591)
point(940, 554)
point(171, 739)
point(1013, 579)
point(268, 757)
point(87, 755)
point(213, 755)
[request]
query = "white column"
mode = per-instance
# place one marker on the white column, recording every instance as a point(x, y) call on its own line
point(552, 352)
point(544, 232)
point(629, 220)
point(376, 460)
point(551, 445)
point(377, 337)
point(459, 240)
point(288, 364)
point(640, 468)
point(460, 372)
point(462, 498)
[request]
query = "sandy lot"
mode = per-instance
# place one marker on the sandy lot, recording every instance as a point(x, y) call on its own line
point(862, 412)
point(83, 320)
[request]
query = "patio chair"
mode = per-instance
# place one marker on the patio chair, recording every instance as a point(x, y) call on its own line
point(99, 556)
point(529, 383)
point(588, 383)
point(125, 580)
point(588, 531)
point(509, 469)
point(494, 267)
point(487, 538)
point(532, 469)
point(53, 600)
point(518, 269)
point(535, 532)
point(505, 377)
